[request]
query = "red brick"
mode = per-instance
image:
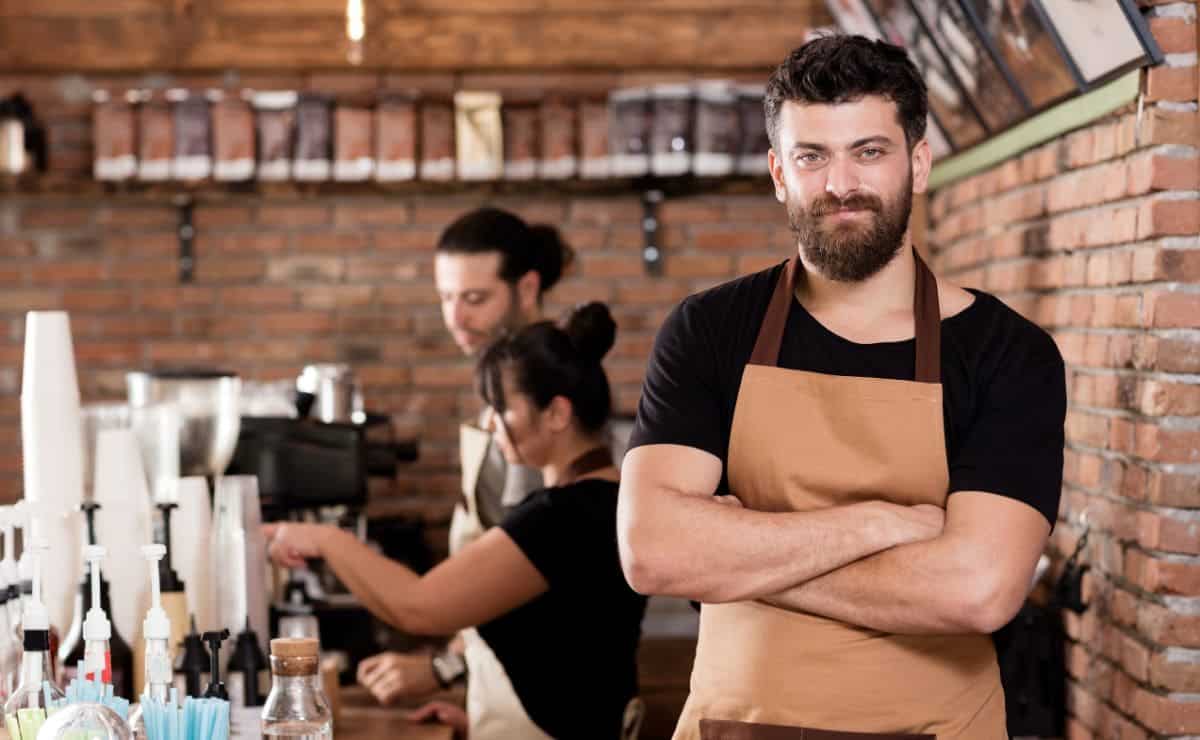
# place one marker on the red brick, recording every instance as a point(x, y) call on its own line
point(137, 217)
point(1162, 398)
point(122, 326)
point(441, 376)
point(92, 300)
point(370, 269)
point(183, 352)
point(89, 352)
point(170, 299)
point(1166, 716)
point(407, 294)
point(61, 217)
point(1156, 575)
point(735, 238)
point(1152, 171)
point(1172, 489)
point(67, 272)
point(307, 269)
point(423, 240)
point(1175, 670)
point(210, 327)
point(604, 211)
point(1168, 533)
point(218, 269)
point(338, 296)
point(308, 214)
point(393, 213)
point(1169, 218)
point(295, 321)
point(697, 266)
point(1170, 127)
point(1175, 355)
point(15, 247)
point(383, 375)
point(243, 243)
point(651, 292)
point(1174, 35)
point(1172, 83)
point(598, 267)
point(258, 296)
point(1167, 445)
point(331, 242)
point(220, 217)
point(1172, 310)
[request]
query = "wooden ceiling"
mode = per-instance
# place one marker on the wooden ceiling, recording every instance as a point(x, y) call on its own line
point(122, 36)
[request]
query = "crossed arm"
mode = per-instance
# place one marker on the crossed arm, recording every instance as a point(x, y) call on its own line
point(877, 565)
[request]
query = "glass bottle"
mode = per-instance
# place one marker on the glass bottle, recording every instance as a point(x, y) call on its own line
point(296, 708)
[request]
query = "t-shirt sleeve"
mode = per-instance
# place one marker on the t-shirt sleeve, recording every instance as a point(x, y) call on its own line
point(681, 400)
point(536, 526)
point(1014, 446)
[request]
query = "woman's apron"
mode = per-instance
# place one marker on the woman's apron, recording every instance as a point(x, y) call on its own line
point(494, 711)
point(804, 441)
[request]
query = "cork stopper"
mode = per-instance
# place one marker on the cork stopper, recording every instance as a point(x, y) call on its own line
point(294, 647)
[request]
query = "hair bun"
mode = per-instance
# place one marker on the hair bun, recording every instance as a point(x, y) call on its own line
point(552, 255)
point(592, 331)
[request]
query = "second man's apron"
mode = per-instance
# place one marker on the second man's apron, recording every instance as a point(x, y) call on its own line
point(804, 441)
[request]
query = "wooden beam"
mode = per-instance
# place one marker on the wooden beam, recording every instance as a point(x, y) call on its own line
point(402, 35)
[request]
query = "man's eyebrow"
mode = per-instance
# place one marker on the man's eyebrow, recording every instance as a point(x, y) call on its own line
point(813, 146)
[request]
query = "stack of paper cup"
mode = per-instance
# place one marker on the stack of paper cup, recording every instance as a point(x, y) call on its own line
point(52, 452)
point(123, 525)
point(191, 533)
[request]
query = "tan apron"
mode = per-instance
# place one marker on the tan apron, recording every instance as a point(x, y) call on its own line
point(804, 441)
point(494, 711)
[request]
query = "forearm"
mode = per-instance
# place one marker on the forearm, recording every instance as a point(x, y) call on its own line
point(938, 586)
point(381, 584)
point(689, 546)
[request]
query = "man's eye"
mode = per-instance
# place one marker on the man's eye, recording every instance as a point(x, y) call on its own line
point(809, 158)
point(872, 153)
point(475, 298)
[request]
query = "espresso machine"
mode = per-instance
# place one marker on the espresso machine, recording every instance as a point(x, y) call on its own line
point(316, 467)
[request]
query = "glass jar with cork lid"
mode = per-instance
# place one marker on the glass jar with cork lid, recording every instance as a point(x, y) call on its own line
point(297, 707)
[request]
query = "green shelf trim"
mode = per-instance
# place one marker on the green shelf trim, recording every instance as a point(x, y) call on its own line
point(1047, 125)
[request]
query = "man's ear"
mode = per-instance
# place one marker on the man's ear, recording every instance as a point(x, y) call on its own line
point(776, 166)
point(528, 288)
point(922, 163)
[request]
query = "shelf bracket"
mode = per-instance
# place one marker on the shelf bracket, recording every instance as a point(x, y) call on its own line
point(652, 251)
point(187, 235)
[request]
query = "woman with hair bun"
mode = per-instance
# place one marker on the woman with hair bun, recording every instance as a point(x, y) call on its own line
point(551, 627)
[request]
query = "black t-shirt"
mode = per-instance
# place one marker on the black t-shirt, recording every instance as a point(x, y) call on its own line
point(571, 653)
point(1003, 384)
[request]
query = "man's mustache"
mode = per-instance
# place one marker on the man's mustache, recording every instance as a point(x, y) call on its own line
point(825, 206)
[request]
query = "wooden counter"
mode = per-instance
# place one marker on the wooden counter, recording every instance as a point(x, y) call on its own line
point(362, 718)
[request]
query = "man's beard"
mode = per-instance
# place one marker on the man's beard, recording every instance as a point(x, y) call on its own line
point(852, 252)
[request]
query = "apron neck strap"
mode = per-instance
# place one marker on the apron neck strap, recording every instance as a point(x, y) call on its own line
point(597, 458)
point(926, 317)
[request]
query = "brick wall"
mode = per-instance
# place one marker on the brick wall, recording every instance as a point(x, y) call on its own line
point(285, 281)
point(1095, 237)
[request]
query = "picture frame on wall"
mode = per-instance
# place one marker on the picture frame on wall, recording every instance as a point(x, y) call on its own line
point(1102, 37)
point(974, 63)
point(1026, 41)
point(951, 104)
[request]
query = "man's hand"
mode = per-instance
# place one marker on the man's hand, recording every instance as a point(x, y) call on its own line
point(391, 677)
point(444, 712)
point(289, 544)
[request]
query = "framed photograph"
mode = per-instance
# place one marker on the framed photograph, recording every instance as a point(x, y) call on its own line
point(1100, 35)
point(972, 62)
point(952, 106)
point(1030, 48)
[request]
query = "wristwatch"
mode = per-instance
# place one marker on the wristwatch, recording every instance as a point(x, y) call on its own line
point(448, 667)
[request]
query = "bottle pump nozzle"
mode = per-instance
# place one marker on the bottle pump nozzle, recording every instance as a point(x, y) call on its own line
point(156, 626)
point(96, 626)
point(36, 617)
point(216, 689)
